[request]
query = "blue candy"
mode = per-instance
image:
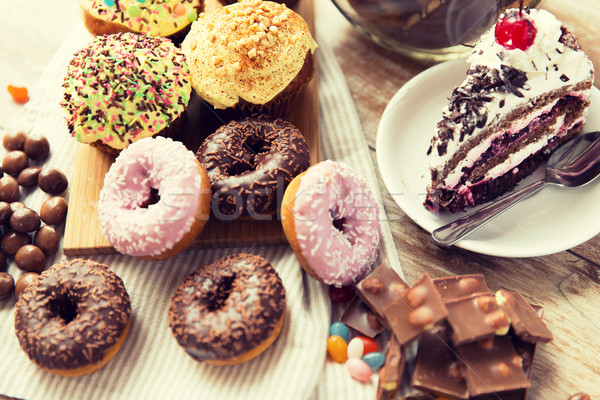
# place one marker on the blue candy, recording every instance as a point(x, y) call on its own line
point(339, 329)
point(375, 360)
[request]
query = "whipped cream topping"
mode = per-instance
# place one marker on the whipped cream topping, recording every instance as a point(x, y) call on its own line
point(250, 50)
point(547, 63)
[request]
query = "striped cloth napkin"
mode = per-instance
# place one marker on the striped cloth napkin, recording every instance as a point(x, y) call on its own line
point(150, 364)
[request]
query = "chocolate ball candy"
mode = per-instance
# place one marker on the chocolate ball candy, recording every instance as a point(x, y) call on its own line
point(14, 141)
point(37, 147)
point(52, 181)
point(24, 281)
point(30, 258)
point(7, 284)
point(12, 241)
point(5, 212)
point(580, 396)
point(46, 239)
point(9, 189)
point(29, 176)
point(24, 220)
point(14, 162)
point(54, 210)
point(2, 262)
point(16, 205)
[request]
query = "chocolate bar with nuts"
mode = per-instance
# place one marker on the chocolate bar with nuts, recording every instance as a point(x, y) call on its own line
point(492, 366)
point(524, 319)
point(475, 318)
point(390, 375)
point(381, 287)
point(455, 287)
point(419, 309)
point(359, 317)
point(437, 368)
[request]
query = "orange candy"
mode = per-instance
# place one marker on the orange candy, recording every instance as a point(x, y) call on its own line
point(19, 94)
point(337, 348)
point(179, 9)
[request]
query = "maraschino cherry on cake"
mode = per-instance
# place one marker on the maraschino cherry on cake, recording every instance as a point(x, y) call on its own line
point(527, 91)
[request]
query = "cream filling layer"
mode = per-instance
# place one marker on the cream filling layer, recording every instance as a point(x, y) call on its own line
point(475, 153)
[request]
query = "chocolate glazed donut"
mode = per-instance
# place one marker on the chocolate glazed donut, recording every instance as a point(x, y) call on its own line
point(229, 311)
point(250, 162)
point(73, 318)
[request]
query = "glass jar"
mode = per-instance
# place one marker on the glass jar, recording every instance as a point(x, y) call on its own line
point(432, 30)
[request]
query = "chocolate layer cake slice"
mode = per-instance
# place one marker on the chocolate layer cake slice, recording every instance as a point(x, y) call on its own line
point(527, 91)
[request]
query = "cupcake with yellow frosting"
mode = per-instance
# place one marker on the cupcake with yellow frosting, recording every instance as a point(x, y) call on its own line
point(166, 18)
point(250, 57)
point(125, 87)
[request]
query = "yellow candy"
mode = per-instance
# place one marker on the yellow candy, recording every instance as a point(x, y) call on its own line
point(337, 348)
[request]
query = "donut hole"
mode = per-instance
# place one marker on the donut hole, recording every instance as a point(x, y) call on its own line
point(257, 146)
point(153, 198)
point(63, 307)
point(239, 168)
point(254, 147)
point(217, 298)
point(338, 223)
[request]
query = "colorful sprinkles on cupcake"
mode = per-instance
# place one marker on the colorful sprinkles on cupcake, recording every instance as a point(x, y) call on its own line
point(153, 17)
point(124, 87)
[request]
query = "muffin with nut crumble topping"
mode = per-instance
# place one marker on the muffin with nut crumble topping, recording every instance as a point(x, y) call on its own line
point(250, 57)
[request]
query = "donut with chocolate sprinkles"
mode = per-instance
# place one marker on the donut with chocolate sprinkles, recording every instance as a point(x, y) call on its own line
point(74, 318)
point(229, 311)
point(250, 162)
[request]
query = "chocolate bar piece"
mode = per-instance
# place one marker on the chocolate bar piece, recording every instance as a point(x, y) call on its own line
point(492, 365)
point(437, 368)
point(359, 317)
point(475, 318)
point(381, 287)
point(455, 287)
point(526, 351)
point(520, 394)
point(390, 375)
point(419, 309)
point(525, 321)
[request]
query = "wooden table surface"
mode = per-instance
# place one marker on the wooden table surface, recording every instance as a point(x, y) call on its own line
point(567, 284)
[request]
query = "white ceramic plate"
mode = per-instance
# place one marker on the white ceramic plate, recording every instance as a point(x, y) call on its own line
point(553, 220)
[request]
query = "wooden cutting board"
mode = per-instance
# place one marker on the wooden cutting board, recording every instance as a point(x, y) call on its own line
point(82, 229)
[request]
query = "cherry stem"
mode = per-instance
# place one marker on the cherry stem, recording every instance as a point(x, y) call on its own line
point(521, 8)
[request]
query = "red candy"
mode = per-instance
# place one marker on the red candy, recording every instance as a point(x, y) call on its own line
point(341, 295)
point(515, 32)
point(361, 345)
point(369, 345)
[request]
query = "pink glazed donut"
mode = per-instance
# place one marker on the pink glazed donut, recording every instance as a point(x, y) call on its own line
point(331, 219)
point(155, 199)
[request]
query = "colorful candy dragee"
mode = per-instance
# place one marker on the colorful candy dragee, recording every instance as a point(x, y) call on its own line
point(360, 345)
point(359, 353)
point(340, 329)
